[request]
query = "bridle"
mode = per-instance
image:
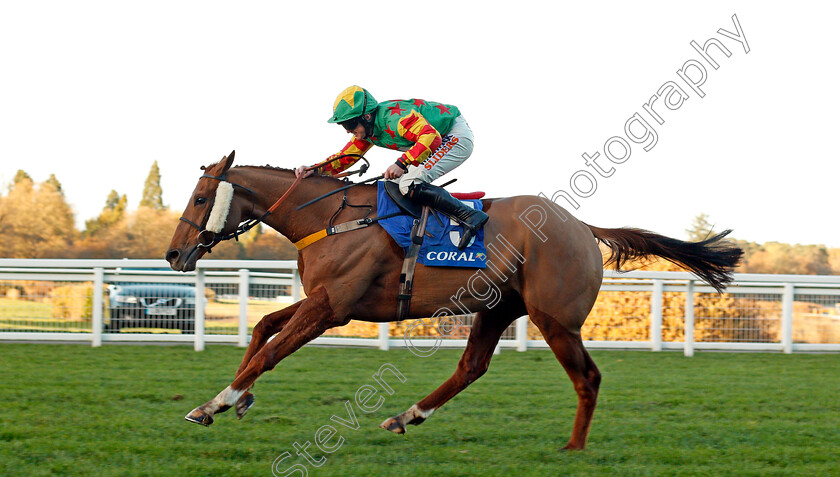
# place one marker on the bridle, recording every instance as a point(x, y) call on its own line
point(208, 238)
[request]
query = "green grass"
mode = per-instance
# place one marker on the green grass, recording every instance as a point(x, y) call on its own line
point(118, 410)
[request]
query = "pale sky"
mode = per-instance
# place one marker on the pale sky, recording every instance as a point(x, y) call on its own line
point(94, 92)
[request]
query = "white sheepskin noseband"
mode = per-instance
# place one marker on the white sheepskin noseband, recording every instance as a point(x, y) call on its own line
point(221, 207)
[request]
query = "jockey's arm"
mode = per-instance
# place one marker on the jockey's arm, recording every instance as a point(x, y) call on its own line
point(355, 146)
point(425, 137)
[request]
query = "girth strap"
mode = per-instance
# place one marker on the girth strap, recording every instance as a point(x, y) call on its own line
point(341, 228)
point(310, 239)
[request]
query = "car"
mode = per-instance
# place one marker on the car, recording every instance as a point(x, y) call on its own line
point(170, 306)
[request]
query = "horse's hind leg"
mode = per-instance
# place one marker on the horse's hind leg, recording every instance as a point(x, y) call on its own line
point(487, 328)
point(569, 349)
point(269, 325)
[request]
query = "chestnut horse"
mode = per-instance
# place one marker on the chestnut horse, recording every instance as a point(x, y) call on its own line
point(541, 262)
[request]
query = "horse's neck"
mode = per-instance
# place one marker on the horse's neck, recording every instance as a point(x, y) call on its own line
point(269, 185)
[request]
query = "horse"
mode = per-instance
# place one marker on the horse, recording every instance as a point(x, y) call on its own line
point(541, 261)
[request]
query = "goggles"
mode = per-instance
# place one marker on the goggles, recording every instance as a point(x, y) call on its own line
point(350, 124)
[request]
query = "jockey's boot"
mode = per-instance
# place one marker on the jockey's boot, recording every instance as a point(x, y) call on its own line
point(437, 198)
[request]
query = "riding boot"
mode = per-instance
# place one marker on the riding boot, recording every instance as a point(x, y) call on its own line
point(437, 198)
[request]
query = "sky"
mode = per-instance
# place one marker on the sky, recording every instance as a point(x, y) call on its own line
point(94, 92)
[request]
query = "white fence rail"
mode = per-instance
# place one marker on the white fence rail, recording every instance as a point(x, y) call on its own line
point(80, 300)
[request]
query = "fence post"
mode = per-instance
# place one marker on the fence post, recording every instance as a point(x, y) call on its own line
point(96, 319)
point(656, 316)
point(295, 285)
point(199, 309)
point(787, 319)
point(689, 319)
point(522, 333)
point(244, 292)
point(384, 336)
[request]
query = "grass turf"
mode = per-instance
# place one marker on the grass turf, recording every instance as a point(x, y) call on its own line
point(118, 410)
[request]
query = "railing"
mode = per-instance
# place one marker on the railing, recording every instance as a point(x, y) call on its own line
point(76, 300)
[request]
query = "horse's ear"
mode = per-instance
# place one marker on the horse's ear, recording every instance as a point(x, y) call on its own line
point(228, 161)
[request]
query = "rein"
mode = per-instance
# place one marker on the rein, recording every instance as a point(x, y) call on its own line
point(361, 170)
point(372, 179)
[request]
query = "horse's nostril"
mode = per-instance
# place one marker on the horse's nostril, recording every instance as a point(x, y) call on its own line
point(172, 255)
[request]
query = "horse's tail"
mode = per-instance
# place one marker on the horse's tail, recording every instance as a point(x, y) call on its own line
point(713, 260)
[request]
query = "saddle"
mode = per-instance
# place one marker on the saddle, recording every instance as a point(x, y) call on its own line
point(418, 231)
point(414, 209)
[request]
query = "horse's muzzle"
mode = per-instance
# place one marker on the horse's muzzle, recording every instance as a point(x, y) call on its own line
point(181, 262)
point(172, 256)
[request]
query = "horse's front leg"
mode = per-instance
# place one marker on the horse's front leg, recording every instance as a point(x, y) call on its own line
point(310, 320)
point(269, 325)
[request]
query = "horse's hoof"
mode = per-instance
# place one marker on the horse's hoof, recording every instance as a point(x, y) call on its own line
point(393, 425)
point(243, 404)
point(198, 416)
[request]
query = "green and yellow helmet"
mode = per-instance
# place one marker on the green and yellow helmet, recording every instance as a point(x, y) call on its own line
point(352, 103)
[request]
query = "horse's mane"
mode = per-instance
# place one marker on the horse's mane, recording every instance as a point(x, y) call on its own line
point(270, 167)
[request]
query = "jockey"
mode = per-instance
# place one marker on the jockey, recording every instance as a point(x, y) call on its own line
point(433, 137)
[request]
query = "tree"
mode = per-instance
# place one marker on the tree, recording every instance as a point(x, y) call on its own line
point(113, 212)
point(271, 246)
point(37, 221)
point(775, 257)
point(115, 201)
point(701, 228)
point(749, 248)
point(812, 259)
point(250, 236)
point(834, 260)
point(52, 180)
point(152, 193)
point(227, 250)
point(20, 176)
point(144, 233)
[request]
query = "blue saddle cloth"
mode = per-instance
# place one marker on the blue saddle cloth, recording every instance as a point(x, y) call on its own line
point(440, 251)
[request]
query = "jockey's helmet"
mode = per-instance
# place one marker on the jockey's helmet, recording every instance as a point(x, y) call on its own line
point(352, 103)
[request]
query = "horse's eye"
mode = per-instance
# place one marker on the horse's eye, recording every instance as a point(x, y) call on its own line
point(200, 200)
